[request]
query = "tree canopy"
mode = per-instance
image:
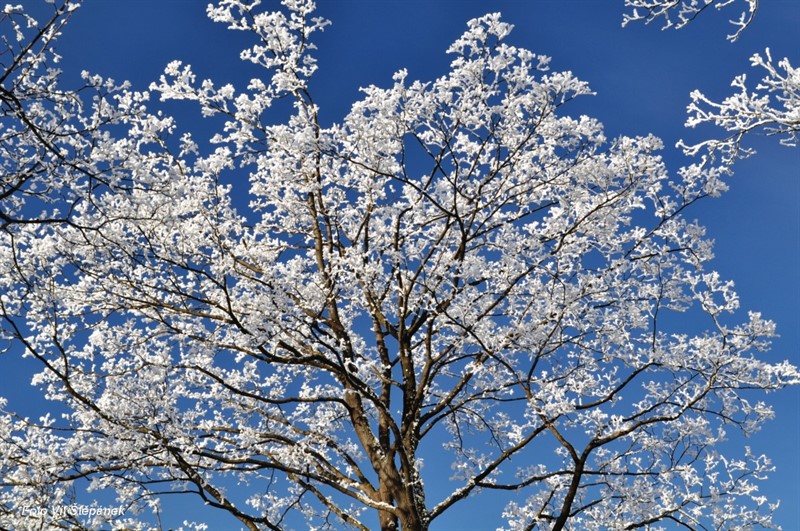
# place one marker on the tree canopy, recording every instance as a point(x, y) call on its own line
point(286, 319)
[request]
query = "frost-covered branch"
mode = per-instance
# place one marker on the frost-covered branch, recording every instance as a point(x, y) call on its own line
point(48, 132)
point(678, 13)
point(771, 108)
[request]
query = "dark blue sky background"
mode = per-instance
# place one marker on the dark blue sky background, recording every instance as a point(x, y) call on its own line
point(642, 77)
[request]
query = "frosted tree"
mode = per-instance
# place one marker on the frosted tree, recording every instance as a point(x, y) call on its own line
point(458, 272)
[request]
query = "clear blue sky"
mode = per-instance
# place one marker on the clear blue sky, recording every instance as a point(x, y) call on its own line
point(642, 77)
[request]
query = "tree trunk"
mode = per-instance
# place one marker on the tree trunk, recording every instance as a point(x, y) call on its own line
point(409, 514)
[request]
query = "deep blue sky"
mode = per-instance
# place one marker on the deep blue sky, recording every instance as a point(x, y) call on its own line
point(642, 77)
